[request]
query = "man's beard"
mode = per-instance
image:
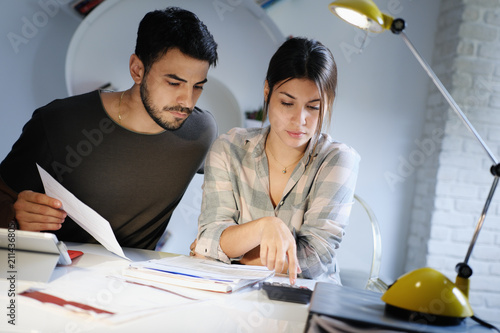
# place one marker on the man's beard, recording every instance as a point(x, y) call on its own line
point(156, 114)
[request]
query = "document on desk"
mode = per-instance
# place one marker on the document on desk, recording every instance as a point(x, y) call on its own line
point(94, 295)
point(204, 274)
point(83, 215)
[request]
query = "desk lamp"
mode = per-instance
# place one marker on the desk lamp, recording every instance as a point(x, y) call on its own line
point(424, 295)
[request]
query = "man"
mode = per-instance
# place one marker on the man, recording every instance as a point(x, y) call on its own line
point(128, 155)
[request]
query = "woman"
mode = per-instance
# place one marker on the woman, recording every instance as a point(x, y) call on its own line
point(280, 196)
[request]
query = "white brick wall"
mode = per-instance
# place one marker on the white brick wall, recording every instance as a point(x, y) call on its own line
point(454, 181)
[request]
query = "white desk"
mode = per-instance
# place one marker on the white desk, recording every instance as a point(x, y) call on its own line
point(247, 310)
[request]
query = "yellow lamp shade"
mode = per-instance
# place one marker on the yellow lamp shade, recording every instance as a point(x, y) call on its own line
point(427, 291)
point(361, 13)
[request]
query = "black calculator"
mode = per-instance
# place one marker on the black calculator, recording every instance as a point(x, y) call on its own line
point(287, 292)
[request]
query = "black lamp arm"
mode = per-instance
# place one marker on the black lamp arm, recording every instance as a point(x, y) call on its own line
point(397, 27)
point(463, 269)
point(479, 224)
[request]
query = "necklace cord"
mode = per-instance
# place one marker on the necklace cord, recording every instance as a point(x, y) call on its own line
point(284, 167)
point(119, 104)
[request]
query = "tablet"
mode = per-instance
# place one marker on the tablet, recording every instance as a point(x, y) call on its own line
point(40, 242)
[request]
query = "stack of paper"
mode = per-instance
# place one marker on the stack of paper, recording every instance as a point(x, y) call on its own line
point(204, 274)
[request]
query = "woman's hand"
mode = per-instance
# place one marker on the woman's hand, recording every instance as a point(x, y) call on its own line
point(277, 251)
point(192, 251)
point(192, 247)
point(278, 248)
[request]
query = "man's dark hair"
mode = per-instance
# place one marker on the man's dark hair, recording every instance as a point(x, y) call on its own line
point(174, 27)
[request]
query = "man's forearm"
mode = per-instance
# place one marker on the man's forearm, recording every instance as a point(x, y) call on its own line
point(7, 199)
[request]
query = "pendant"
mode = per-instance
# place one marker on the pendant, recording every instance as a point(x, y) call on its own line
point(284, 170)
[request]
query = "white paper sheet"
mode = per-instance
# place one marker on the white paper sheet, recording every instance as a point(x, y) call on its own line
point(83, 215)
point(98, 287)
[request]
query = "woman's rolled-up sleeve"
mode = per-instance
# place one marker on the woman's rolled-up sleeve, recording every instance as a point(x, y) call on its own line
point(218, 208)
point(327, 214)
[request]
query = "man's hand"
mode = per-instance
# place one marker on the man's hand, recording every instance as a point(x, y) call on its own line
point(277, 248)
point(38, 212)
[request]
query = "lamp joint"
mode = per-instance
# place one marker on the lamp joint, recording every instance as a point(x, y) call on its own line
point(463, 270)
point(495, 170)
point(397, 26)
